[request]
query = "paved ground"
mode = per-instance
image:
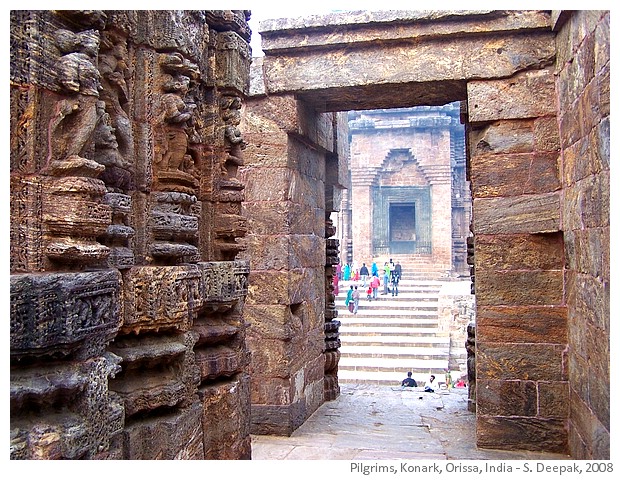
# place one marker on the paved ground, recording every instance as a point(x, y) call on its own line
point(384, 423)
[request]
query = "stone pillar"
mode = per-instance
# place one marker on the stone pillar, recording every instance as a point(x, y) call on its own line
point(521, 334)
point(583, 64)
point(284, 173)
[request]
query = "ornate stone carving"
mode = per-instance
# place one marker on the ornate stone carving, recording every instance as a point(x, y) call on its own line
point(63, 410)
point(331, 389)
point(173, 226)
point(119, 234)
point(160, 298)
point(156, 372)
point(174, 160)
point(59, 314)
point(115, 118)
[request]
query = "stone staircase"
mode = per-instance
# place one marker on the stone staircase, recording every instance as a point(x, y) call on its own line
point(418, 266)
point(392, 335)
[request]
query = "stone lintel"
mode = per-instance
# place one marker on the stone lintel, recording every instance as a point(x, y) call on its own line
point(336, 29)
point(403, 66)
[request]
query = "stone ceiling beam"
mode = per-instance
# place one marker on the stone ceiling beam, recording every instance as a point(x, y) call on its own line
point(361, 69)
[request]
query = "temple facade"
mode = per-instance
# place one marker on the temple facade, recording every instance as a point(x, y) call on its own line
point(408, 197)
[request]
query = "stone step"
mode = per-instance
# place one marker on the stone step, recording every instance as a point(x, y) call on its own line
point(392, 335)
point(406, 323)
point(388, 351)
point(403, 365)
point(394, 341)
point(364, 311)
point(351, 330)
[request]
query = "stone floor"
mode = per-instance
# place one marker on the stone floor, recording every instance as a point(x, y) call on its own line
point(370, 422)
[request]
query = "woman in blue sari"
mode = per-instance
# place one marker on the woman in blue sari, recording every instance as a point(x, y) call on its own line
point(346, 276)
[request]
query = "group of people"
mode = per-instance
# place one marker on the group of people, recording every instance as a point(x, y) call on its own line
point(369, 279)
point(429, 386)
point(392, 274)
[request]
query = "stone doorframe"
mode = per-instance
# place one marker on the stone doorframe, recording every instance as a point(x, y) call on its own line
point(500, 65)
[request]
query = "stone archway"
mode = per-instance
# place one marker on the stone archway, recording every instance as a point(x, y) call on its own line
point(503, 66)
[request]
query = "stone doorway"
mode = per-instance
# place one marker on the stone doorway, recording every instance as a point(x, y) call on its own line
point(402, 227)
point(502, 67)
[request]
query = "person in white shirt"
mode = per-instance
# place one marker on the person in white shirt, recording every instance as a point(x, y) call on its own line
point(432, 384)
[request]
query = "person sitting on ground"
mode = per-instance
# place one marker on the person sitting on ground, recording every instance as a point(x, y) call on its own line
point(432, 385)
point(408, 382)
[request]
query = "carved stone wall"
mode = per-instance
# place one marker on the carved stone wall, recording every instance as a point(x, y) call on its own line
point(127, 326)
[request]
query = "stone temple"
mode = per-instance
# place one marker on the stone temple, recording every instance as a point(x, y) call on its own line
point(177, 208)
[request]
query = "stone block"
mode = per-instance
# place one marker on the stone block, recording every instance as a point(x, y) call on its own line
point(520, 361)
point(546, 134)
point(232, 61)
point(521, 433)
point(307, 161)
point(268, 252)
point(520, 252)
point(274, 116)
point(525, 95)
point(513, 174)
point(589, 300)
point(552, 399)
point(156, 372)
point(522, 324)
point(81, 426)
point(507, 136)
point(269, 390)
point(285, 217)
point(268, 287)
point(537, 213)
point(221, 361)
point(226, 419)
point(176, 435)
point(263, 150)
point(160, 298)
point(595, 436)
point(279, 420)
point(268, 322)
point(307, 251)
point(64, 313)
point(271, 185)
point(514, 288)
point(512, 398)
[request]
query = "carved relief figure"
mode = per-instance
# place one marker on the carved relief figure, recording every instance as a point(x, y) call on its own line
point(118, 156)
point(231, 114)
point(175, 124)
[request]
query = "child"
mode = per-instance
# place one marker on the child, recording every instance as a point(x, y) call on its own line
point(369, 293)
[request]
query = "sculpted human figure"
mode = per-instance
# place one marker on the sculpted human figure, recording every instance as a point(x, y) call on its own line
point(114, 70)
point(174, 119)
point(231, 114)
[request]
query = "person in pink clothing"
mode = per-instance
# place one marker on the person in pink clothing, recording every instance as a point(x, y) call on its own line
point(374, 283)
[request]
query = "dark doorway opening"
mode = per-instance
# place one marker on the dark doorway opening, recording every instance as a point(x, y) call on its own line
point(402, 224)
